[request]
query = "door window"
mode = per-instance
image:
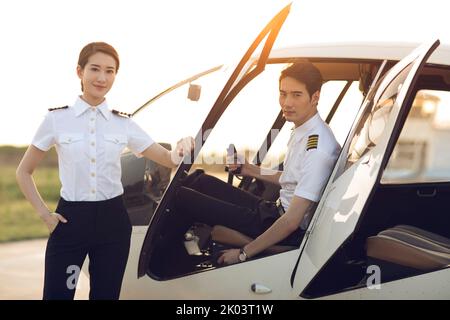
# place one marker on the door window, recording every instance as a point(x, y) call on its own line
point(422, 152)
point(373, 122)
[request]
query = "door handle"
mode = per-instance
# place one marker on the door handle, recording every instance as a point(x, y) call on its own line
point(422, 194)
point(367, 162)
point(260, 288)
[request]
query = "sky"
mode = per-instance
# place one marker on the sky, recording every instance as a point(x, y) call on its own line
point(163, 42)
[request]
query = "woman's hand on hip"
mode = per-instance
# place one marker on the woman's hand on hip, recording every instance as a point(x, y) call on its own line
point(52, 219)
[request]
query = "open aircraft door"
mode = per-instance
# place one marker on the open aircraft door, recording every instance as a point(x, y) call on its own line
point(242, 75)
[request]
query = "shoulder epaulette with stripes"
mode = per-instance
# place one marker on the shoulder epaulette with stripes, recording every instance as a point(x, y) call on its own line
point(122, 114)
point(60, 108)
point(313, 140)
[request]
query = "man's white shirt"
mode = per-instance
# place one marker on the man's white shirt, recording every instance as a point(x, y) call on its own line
point(310, 158)
point(89, 141)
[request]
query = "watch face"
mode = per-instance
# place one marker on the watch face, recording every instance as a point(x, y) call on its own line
point(241, 257)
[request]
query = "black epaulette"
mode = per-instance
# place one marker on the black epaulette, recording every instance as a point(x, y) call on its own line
point(60, 108)
point(122, 114)
point(313, 141)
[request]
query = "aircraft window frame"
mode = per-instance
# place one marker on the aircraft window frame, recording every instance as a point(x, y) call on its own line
point(230, 90)
point(386, 100)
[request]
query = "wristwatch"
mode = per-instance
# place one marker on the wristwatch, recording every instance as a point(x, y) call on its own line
point(242, 255)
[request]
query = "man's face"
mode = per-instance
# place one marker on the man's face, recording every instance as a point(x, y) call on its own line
point(98, 75)
point(296, 104)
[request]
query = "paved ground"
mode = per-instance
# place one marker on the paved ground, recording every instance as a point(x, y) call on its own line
point(22, 271)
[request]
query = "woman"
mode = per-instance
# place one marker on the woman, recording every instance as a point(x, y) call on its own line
point(90, 218)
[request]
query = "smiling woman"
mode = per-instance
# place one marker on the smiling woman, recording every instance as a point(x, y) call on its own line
point(90, 218)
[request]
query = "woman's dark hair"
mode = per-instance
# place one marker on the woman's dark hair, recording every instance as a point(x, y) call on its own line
point(304, 72)
point(94, 47)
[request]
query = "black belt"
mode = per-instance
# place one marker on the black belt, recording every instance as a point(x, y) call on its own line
point(280, 207)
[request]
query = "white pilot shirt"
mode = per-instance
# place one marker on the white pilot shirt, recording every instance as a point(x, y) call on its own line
point(312, 152)
point(89, 141)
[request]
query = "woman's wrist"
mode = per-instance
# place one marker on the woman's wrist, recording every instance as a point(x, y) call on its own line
point(45, 215)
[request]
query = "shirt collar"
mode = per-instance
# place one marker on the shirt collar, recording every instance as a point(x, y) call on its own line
point(81, 106)
point(301, 131)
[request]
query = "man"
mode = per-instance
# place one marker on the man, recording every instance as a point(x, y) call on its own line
point(312, 152)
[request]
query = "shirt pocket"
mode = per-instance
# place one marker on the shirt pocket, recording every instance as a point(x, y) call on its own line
point(114, 145)
point(71, 146)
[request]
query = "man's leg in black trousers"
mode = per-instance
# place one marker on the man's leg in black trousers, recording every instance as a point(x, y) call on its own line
point(219, 189)
point(194, 206)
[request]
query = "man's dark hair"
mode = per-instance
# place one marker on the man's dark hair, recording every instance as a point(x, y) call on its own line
point(304, 72)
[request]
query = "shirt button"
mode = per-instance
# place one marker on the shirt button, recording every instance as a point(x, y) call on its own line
point(93, 190)
point(92, 119)
point(92, 131)
point(92, 143)
point(92, 174)
point(93, 160)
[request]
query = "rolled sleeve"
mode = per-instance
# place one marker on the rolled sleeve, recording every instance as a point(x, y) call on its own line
point(316, 169)
point(138, 139)
point(44, 138)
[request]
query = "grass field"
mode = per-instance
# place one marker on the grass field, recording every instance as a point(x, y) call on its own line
point(18, 220)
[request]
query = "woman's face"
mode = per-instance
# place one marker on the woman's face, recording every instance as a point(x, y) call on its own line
point(97, 76)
